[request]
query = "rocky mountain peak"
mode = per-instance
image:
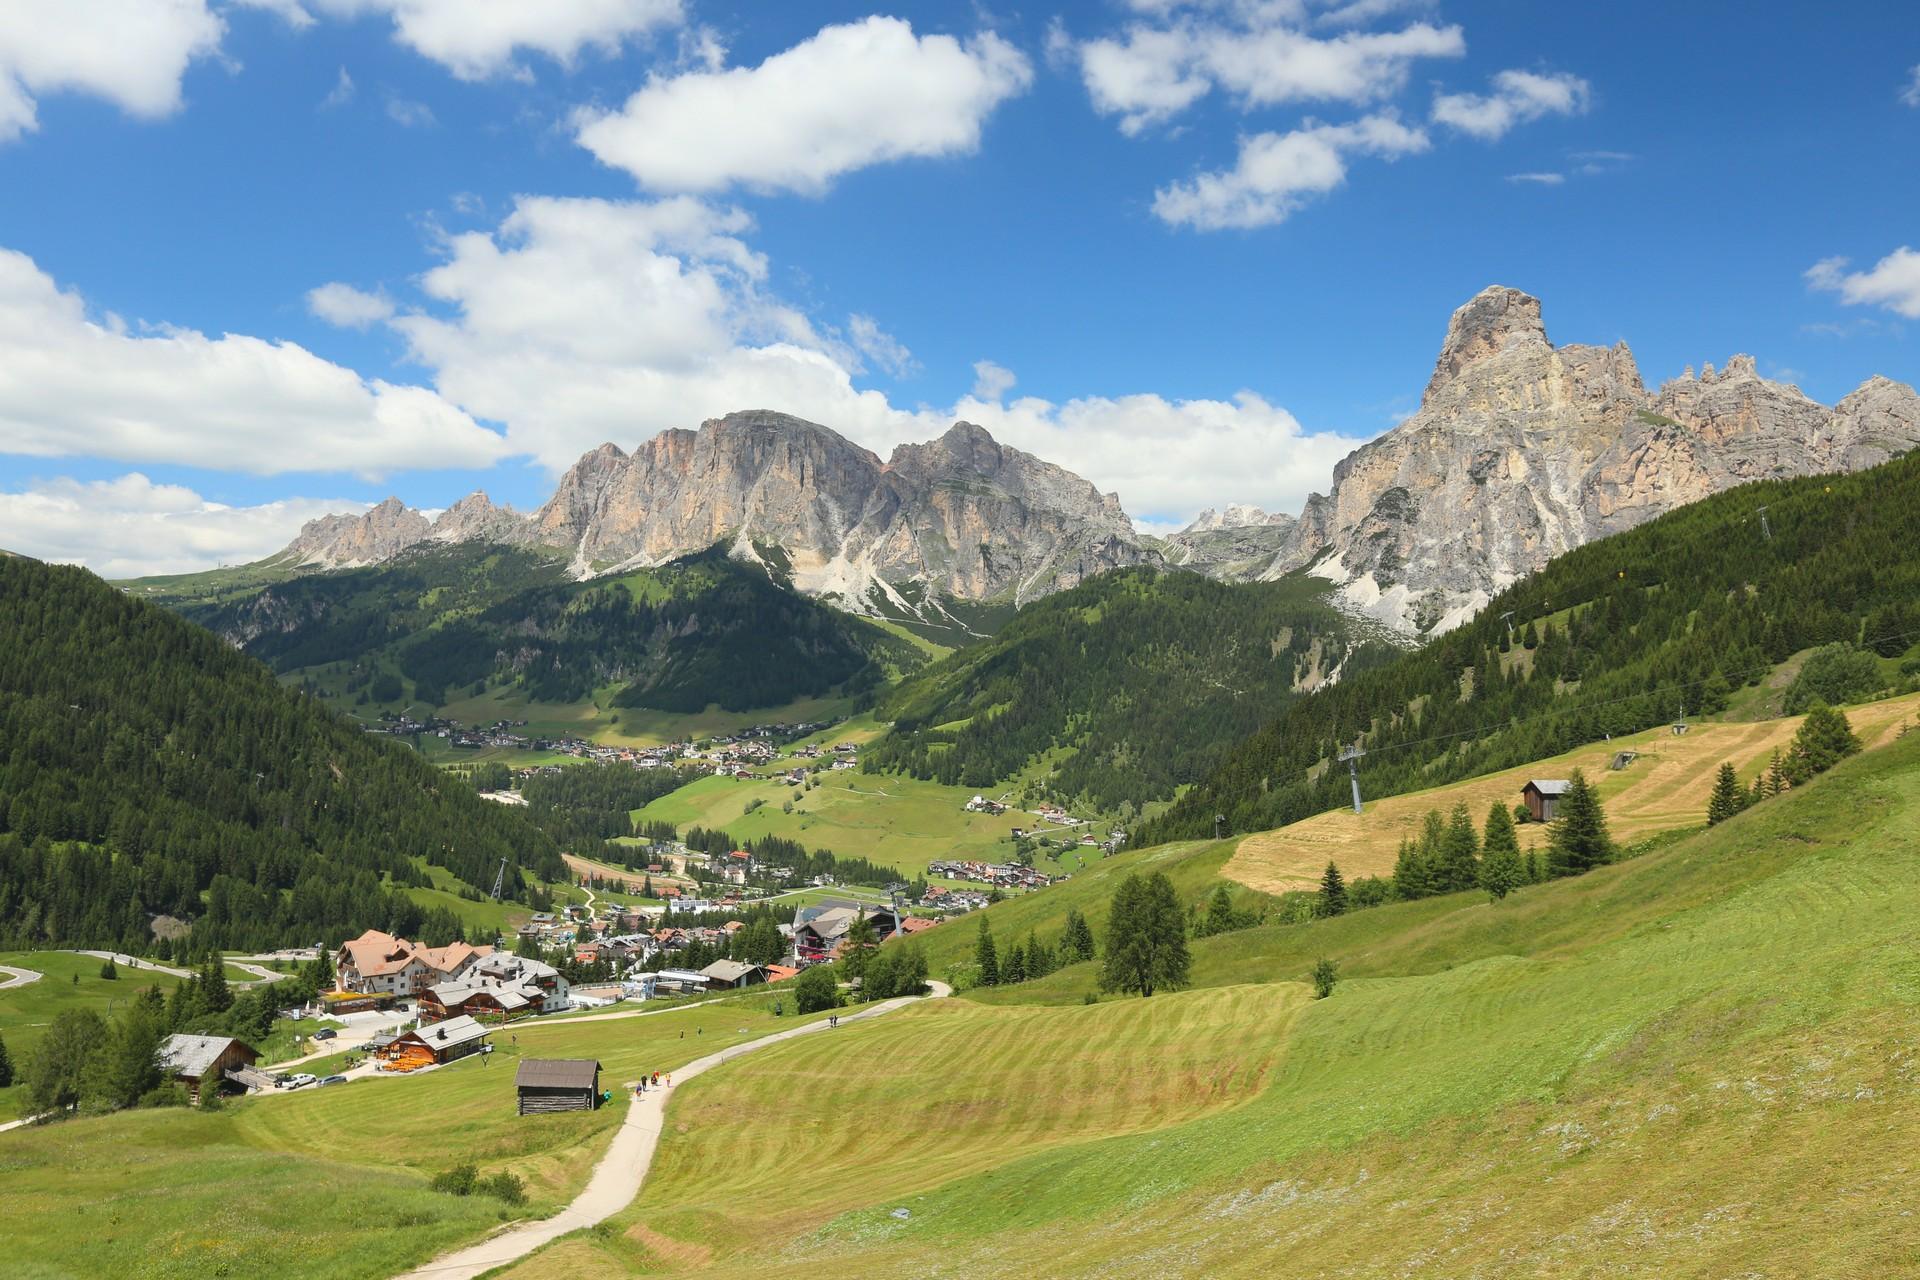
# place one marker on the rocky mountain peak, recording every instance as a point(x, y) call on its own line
point(346, 542)
point(475, 518)
point(1496, 318)
point(1235, 515)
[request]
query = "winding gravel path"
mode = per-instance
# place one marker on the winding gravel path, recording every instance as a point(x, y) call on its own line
point(618, 1177)
point(18, 977)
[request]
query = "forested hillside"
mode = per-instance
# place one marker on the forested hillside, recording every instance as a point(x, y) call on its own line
point(1619, 635)
point(1140, 680)
point(147, 768)
point(705, 629)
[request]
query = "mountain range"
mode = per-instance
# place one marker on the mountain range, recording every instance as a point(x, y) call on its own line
point(1520, 450)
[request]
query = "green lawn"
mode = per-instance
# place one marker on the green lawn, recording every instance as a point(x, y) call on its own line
point(900, 822)
point(1697, 1063)
point(25, 1012)
point(331, 1182)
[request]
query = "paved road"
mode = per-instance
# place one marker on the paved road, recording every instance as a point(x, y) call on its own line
point(18, 977)
point(617, 1178)
point(261, 972)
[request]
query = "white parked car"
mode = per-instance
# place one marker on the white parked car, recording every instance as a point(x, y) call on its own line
point(298, 1080)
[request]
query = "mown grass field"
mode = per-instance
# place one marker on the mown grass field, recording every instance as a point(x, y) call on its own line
point(331, 1182)
point(900, 822)
point(1665, 788)
point(26, 1012)
point(1698, 1062)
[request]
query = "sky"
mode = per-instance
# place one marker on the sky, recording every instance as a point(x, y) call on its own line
point(266, 259)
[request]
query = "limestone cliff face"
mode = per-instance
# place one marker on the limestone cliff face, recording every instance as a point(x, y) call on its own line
point(962, 514)
point(348, 542)
point(1522, 450)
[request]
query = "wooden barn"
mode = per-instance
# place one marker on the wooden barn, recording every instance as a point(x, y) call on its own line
point(201, 1062)
point(1542, 797)
point(557, 1084)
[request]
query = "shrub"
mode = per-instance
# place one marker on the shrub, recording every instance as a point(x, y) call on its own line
point(457, 1181)
point(1833, 674)
point(1325, 974)
point(503, 1186)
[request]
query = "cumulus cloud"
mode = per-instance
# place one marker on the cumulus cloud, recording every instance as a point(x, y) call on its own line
point(1517, 98)
point(130, 52)
point(129, 526)
point(348, 307)
point(77, 386)
point(341, 93)
point(991, 382)
point(848, 97)
point(882, 348)
point(1258, 54)
point(1892, 283)
point(1278, 172)
point(580, 320)
point(476, 39)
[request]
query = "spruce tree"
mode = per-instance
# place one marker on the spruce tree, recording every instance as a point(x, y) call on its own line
point(6, 1066)
point(1146, 937)
point(1501, 869)
point(1333, 892)
point(859, 947)
point(1459, 864)
point(1219, 917)
point(1077, 942)
point(1579, 841)
point(1728, 797)
point(1411, 876)
point(1013, 969)
point(984, 957)
point(1824, 740)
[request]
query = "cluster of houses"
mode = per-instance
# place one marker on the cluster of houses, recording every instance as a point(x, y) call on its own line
point(980, 804)
point(1001, 875)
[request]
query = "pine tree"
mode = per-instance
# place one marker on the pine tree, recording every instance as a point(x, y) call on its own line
point(858, 947)
point(214, 992)
point(1459, 863)
point(1501, 869)
point(1579, 841)
point(1777, 775)
point(1333, 892)
point(1013, 969)
point(1146, 937)
point(1728, 797)
point(1039, 958)
point(1219, 917)
point(1077, 941)
point(1824, 740)
point(1411, 876)
point(6, 1066)
point(984, 957)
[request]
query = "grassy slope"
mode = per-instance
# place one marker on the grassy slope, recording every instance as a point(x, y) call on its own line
point(25, 1012)
point(330, 1182)
point(893, 821)
point(1695, 1063)
point(1667, 787)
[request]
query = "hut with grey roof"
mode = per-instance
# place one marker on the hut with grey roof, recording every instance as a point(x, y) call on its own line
point(557, 1084)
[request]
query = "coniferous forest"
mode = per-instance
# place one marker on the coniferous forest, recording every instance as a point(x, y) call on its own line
point(1617, 636)
point(146, 769)
point(1141, 680)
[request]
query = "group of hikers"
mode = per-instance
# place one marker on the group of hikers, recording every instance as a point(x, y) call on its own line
point(640, 1090)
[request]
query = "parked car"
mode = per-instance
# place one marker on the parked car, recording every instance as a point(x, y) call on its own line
point(299, 1080)
point(325, 1033)
point(334, 1080)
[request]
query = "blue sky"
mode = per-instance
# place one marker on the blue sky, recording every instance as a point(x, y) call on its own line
point(1195, 251)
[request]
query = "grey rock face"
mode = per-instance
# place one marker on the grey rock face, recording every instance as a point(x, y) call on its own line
point(962, 514)
point(348, 542)
point(1522, 450)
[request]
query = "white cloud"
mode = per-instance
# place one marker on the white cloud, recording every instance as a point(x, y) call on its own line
point(288, 11)
point(879, 346)
point(1255, 53)
point(578, 321)
point(476, 39)
point(1538, 179)
point(1278, 172)
point(130, 52)
point(1517, 97)
point(341, 93)
point(1892, 283)
point(991, 382)
point(409, 114)
point(348, 307)
point(1910, 95)
point(129, 526)
point(73, 386)
point(845, 98)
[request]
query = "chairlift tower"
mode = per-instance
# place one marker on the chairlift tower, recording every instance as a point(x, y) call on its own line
point(1219, 826)
point(1352, 756)
point(1507, 618)
point(1765, 528)
point(500, 880)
